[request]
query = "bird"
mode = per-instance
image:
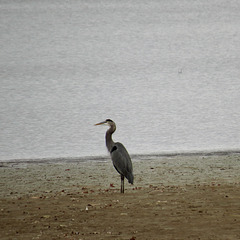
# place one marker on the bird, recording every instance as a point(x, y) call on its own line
point(119, 155)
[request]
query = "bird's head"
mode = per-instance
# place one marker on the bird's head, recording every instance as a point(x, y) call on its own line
point(107, 122)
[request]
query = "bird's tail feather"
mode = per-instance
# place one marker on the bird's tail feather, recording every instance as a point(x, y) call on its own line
point(130, 177)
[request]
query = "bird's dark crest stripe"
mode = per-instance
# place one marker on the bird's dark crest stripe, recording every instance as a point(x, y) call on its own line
point(109, 120)
point(113, 149)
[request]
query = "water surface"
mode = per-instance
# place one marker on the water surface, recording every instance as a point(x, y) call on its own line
point(166, 72)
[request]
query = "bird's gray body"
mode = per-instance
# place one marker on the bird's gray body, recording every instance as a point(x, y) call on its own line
point(122, 161)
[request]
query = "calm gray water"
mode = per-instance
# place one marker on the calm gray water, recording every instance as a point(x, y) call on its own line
point(167, 72)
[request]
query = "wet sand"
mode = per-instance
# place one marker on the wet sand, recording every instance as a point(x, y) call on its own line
point(178, 197)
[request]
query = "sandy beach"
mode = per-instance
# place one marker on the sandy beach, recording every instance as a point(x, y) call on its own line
point(178, 197)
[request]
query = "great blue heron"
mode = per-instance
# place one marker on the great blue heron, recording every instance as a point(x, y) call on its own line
point(120, 157)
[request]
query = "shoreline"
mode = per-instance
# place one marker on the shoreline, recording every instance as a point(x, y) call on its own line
point(133, 156)
point(35, 177)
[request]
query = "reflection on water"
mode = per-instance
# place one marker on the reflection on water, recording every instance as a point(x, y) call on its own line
point(167, 73)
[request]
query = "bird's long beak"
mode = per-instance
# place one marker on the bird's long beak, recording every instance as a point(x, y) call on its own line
point(100, 123)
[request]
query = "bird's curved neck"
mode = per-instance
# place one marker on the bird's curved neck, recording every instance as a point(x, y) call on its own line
point(109, 141)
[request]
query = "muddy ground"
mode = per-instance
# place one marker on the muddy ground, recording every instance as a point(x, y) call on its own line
point(181, 197)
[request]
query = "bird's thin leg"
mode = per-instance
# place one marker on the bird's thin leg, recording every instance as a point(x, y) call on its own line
point(122, 184)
